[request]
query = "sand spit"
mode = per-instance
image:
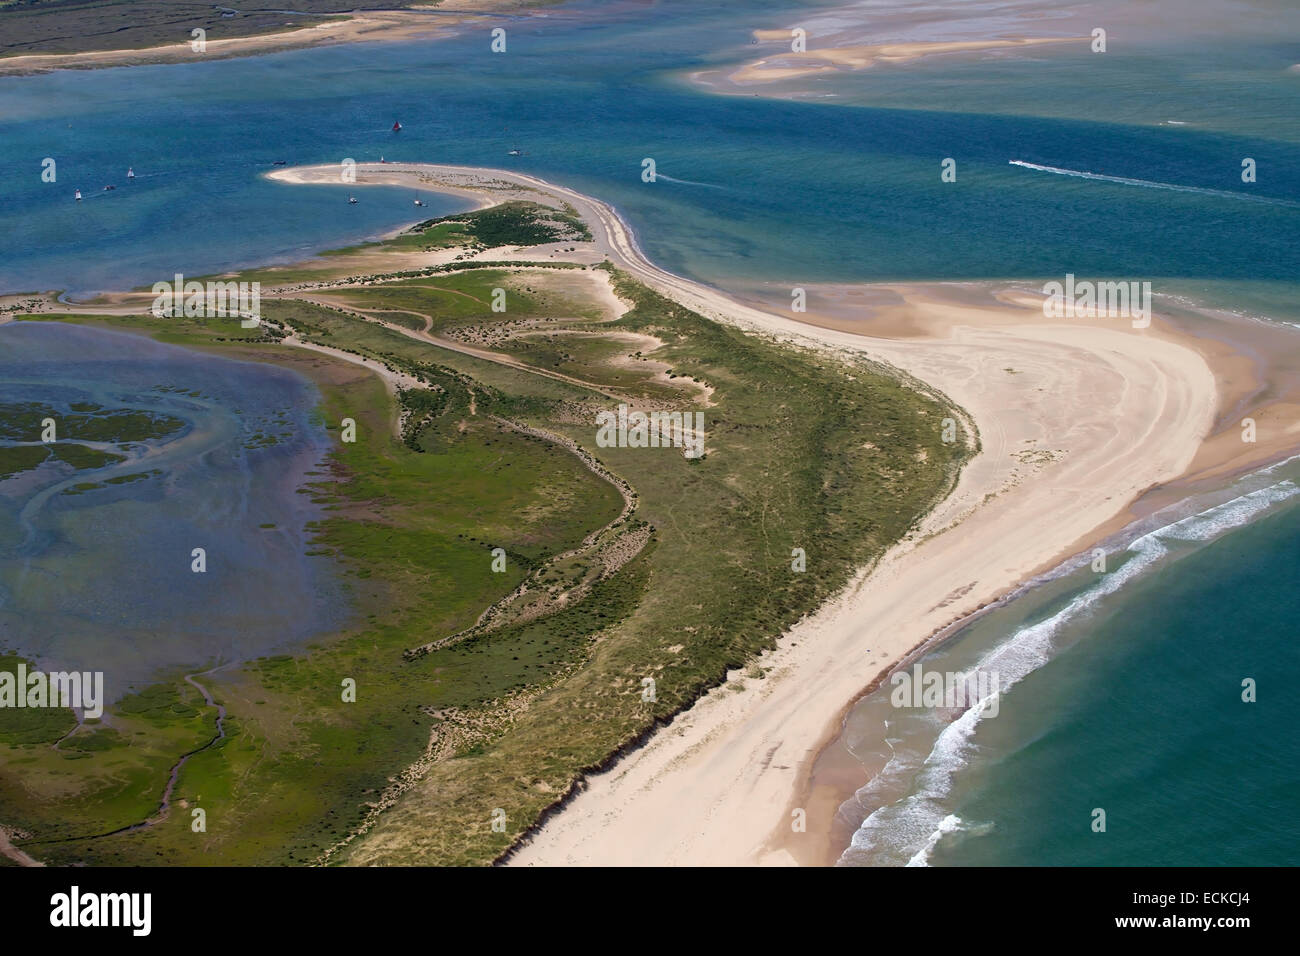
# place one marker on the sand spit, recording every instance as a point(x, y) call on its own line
point(1078, 418)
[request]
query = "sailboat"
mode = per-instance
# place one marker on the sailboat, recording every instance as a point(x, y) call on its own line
point(78, 195)
point(397, 127)
point(419, 202)
point(130, 173)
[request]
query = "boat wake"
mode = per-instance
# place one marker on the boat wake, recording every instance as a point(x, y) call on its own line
point(688, 182)
point(1151, 184)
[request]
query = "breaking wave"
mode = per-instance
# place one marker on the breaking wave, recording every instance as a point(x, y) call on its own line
point(909, 829)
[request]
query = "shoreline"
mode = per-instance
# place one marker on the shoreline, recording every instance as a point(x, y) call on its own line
point(790, 61)
point(849, 57)
point(709, 787)
point(357, 26)
point(1134, 411)
point(828, 785)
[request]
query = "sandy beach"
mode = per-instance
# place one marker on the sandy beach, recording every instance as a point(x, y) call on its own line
point(1078, 420)
point(867, 37)
point(864, 56)
point(358, 27)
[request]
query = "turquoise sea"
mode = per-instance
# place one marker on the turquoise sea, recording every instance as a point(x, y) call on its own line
point(1123, 691)
point(1129, 166)
point(750, 187)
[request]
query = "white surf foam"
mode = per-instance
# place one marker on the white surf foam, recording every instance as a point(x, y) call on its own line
point(949, 824)
point(1151, 184)
point(916, 824)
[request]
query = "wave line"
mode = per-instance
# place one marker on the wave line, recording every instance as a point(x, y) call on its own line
point(1151, 184)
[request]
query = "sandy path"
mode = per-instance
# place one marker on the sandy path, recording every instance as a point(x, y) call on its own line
point(1111, 410)
point(601, 284)
point(718, 785)
point(7, 849)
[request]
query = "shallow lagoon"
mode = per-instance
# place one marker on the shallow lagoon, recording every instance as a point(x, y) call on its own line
point(100, 578)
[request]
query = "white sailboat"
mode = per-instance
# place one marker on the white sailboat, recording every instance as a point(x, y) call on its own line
point(130, 173)
point(78, 195)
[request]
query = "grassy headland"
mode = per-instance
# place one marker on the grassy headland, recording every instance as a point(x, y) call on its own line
point(482, 695)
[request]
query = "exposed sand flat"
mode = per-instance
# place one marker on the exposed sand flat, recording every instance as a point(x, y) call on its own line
point(485, 187)
point(863, 56)
point(361, 26)
point(855, 37)
point(1110, 411)
point(718, 786)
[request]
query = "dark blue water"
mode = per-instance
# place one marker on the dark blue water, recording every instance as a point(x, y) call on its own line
point(791, 190)
point(1135, 711)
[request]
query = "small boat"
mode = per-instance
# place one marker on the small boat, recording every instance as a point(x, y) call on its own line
point(419, 202)
point(382, 160)
point(78, 195)
point(352, 200)
point(516, 152)
point(280, 162)
point(130, 173)
point(107, 188)
point(397, 127)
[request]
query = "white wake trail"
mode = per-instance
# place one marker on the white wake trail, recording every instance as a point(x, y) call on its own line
point(1151, 184)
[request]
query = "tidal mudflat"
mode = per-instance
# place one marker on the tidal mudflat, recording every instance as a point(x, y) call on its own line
point(158, 452)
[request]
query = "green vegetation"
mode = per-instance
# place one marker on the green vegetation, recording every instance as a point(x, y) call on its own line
point(15, 460)
point(30, 727)
point(497, 688)
point(177, 330)
point(415, 527)
point(84, 421)
point(801, 452)
point(514, 223)
point(80, 422)
point(96, 778)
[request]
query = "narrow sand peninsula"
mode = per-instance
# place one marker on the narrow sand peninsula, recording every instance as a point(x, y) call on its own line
point(1077, 418)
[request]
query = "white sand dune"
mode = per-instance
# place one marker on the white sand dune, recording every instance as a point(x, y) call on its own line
point(1107, 412)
